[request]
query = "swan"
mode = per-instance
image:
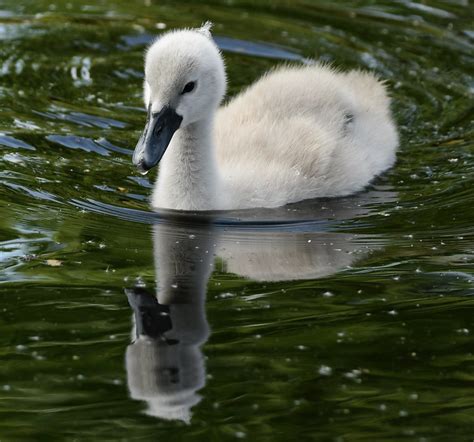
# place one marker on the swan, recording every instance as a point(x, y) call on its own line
point(299, 132)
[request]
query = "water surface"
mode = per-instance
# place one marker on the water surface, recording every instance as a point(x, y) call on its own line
point(328, 320)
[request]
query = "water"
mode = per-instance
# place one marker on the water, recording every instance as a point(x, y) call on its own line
point(328, 320)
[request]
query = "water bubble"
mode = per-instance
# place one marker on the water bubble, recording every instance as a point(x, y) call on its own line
point(325, 370)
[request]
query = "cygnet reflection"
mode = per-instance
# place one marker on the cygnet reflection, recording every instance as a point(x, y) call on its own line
point(165, 363)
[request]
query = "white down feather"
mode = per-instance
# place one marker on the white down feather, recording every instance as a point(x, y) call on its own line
point(299, 132)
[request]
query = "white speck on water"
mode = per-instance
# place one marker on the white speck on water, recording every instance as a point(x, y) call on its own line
point(240, 435)
point(453, 160)
point(354, 375)
point(413, 396)
point(192, 236)
point(382, 407)
point(393, 312)
point(325, 370)
point(301, 347)
point(139, 282)
point(309, 240)
point(160, 25)
point(463, 331)
point(174, 286)
point(37, 356)
point(21, 347)
point(328, 294)
point(80, 377)
point(403, 413)
point(258, 336)
point(396, 278)
point(112, 337)
point(6, 387)
point(75, 357)
point(34, 338)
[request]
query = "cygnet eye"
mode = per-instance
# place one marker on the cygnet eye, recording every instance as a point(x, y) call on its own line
point(189, 87)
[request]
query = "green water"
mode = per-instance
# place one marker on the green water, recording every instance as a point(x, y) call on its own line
point(329, 320)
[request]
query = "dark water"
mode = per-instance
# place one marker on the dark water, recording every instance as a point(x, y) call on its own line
point(330, 320)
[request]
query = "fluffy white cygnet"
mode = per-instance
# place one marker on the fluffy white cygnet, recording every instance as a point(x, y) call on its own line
point(300, 132)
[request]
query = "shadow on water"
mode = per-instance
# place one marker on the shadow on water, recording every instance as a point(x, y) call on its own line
point(305, 215)
point(165, 363)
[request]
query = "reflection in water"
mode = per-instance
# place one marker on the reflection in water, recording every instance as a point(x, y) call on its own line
point(165, 364)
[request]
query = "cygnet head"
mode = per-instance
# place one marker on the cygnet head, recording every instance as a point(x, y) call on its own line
point(184, 83)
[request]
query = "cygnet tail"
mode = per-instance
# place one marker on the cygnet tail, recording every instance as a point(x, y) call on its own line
point(370, 92)
point(372, 124)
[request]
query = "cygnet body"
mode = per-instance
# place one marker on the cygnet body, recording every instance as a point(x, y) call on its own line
point(299, 132)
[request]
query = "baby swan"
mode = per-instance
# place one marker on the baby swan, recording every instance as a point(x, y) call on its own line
point(299, 132)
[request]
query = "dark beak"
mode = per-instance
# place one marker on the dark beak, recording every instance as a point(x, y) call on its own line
point(159, 129)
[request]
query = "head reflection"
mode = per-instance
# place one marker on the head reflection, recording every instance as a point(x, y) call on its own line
point(165, 364)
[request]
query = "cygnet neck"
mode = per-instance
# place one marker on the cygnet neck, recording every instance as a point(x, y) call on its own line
point(188, 177)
